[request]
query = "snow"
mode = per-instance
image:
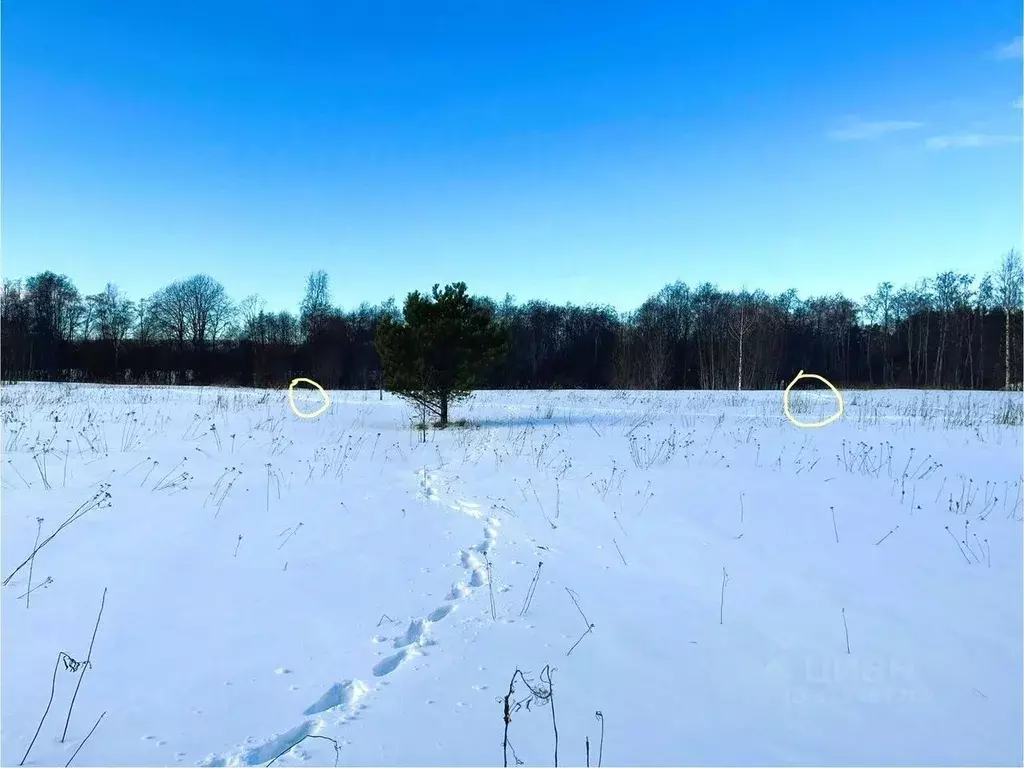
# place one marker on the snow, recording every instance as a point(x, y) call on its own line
point(373, 589)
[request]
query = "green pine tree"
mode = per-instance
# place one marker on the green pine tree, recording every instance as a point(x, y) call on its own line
point(441, 349)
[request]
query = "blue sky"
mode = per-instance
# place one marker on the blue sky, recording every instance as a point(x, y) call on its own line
point(572, 151)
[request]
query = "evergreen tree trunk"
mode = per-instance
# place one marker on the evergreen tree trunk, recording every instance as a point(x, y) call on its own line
point(444, 410)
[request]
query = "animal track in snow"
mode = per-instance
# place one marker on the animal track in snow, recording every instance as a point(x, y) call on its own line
point(345, 694)
point(468, 508)
point(393, 662)
point(458, 591)
point(440, 612)
point(469, 560)
point(416, 634)
point(262, 753)
point(342, 701)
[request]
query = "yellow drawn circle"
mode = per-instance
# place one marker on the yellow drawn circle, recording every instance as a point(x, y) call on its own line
point(811, 424)
point(303, 414)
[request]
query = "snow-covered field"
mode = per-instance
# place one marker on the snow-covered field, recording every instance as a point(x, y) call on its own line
point(718, 586)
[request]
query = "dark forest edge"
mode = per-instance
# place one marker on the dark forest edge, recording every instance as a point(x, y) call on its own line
point(952, 331)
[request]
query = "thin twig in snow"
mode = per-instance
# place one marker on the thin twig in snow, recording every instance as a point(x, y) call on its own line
point(847, 630)
point(590, 626)
point(85, 739)
point(530, 591)
point(32, 561)
point(721, 605)
point(69, 664)
point(620, 552)
point(88, 663)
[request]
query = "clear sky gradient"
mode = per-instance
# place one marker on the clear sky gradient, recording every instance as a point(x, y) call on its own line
point(571, 151)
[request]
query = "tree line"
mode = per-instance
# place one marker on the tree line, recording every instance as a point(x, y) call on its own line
point(953, 330)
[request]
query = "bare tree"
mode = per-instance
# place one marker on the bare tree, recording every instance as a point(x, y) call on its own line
point(286, 329)
point(654, 335)
point(912, 306)
point(207, 309)
point(250, 313)
point(145, 322)
point(55, 312)
point(879, 308)
point(1008, 296)
point(985, 298)
point(737, 329)
point(15, 328)
point(168, 314)
point(952, 296)
point(111, 315)
point(709, 321)
point(946, 331)
point(316, 304)
point(168, 318)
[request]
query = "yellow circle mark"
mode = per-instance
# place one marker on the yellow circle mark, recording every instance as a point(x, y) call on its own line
point(311, 414)
point(811, 424)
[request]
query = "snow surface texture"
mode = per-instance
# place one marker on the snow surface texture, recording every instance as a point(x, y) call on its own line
point(733, 589)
